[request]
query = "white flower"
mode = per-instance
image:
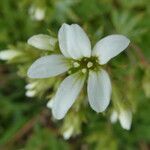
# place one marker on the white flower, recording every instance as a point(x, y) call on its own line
point(114, 117)
point(124, 116)
point(36, 13)
point(31, 92)
point(68, 133)
point(31, 86)
point(9, 54)
point(83, 61)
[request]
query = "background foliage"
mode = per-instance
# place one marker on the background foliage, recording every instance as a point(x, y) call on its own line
point(26, 123)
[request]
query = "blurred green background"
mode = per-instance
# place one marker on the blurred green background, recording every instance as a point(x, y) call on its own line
point(26, 124)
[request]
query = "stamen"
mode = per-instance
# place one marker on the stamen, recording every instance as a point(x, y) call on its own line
point(76, 64)
point(89, 64)
point(84, 70)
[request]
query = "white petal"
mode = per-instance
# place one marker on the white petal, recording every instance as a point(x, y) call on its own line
point(125, 118)
point(114, 117)
point(66, 95)
point(74, 42)
point(109, 47)
point(48, 66)
point(99, 90)
point(9, 54)
point(42, 41)
point(39, 14)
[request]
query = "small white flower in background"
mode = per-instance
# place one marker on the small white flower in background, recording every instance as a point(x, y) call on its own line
point(36, 13)
point(83, 61)
point(9, 54)
point(124, 116)
point(31, 92)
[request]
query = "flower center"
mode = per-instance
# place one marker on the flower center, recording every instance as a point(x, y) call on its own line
point(84, 65)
